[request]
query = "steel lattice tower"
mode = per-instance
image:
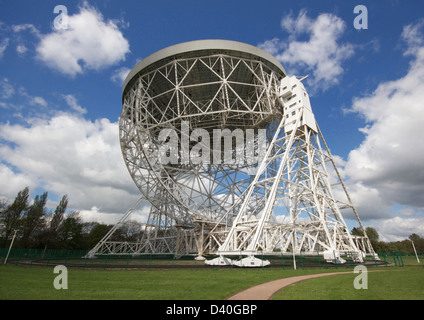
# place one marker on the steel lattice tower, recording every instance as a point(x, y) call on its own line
point(188, 104)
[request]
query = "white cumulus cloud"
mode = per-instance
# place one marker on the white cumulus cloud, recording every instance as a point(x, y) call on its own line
point(391, 156)
point(386, 172)
point(67, 155)
point(399, 228)
point(321, 54)
point(89, 43)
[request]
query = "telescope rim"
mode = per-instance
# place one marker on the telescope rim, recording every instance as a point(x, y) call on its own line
point(203, 45)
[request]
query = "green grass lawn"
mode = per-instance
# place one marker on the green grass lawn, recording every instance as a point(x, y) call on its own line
point(405, 283)
point(18, 282)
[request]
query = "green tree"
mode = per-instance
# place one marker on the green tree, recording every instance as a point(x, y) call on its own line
point(11, 216)
point(97, 232)
point(59, 213)
point(418, 242)
point(33, 221)
point(357, 232)
point(49, 238)
point(70, 232)
point(129, 231)
point(372, 234)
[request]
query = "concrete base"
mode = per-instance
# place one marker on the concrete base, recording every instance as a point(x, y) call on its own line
point(251, 262)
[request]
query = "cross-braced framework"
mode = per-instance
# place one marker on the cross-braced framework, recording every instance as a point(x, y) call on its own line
point(211, 194)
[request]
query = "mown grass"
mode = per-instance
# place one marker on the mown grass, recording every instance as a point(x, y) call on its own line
point(405, 283)
point(17, 282)
point(30, 283)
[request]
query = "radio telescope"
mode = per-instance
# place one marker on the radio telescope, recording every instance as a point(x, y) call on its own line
point(226, 149)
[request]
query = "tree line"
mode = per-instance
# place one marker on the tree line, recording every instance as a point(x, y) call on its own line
point(39, 227)
point(404, 246)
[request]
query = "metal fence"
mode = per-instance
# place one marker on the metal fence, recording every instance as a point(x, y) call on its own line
point(78, 258)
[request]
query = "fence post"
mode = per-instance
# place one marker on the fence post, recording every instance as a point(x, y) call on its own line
point(66, 259)
point(48, 257)
point(301, 259)
point(319, 259)
point(18, 257)
point(85, 259)
point(107, 256)
point(384, 254)
point(401, 260)
point(150, 260)
point(31, 256)
point(173, 261)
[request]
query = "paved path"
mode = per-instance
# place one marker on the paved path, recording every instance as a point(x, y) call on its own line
point(266, 290)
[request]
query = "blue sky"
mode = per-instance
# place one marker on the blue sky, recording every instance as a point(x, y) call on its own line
point(60, 92)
